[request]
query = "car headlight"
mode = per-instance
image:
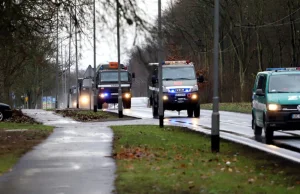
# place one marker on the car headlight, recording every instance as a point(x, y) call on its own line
point(103, 95)
point(274, 107)
point(127, 95)
point(74, 104)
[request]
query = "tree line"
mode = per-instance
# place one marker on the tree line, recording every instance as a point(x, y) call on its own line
point(29, 46)
point(254, 35)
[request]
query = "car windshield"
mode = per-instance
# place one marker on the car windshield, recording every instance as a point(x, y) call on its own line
point(112, 76)
point(178, 73)
point(287, 83)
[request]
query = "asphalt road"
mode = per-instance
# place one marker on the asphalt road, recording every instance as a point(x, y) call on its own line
point(236, 124)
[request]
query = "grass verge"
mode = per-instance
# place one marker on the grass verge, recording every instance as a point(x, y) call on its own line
point(89, 115)
point(176, 160)
point(242, 107)
point(18, 138)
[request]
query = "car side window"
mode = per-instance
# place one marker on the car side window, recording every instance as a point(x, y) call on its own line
point(262, 83)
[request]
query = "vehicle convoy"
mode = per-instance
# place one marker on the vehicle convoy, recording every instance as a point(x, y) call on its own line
point(107, 84)
point(180, 88)
point(5, 111)
point(276, 101)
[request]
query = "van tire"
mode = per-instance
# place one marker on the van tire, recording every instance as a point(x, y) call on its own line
point(100, 105)
point(269, 134)
point(190, 112)
point(257, 130)
point(155, 110)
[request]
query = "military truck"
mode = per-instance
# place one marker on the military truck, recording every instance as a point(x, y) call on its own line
point(107, 84)
point(180, 88)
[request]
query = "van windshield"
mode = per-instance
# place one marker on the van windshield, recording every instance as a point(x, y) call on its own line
point(286, 83)
point(178, 73)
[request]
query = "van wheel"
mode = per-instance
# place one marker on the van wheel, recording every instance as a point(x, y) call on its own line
point(257, 130)
point(269, 134)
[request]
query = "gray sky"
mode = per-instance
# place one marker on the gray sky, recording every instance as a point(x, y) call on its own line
point(106, 45)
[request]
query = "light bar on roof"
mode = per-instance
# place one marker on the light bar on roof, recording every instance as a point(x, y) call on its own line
point(284, 69)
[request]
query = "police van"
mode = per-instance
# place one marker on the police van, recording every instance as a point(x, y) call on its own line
point(180, 87)
point(107, 84)
point(276, 101)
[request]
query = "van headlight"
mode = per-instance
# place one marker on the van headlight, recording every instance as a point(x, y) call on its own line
point(127, 95)
point(274, 107)
point(84, 99)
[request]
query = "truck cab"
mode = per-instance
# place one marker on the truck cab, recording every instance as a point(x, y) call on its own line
point(276, 101)
point(107, 84)
point(180, 88)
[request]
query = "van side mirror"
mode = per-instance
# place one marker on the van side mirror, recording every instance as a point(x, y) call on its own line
point(200, 79)
point(133, 75)
point(259, 92)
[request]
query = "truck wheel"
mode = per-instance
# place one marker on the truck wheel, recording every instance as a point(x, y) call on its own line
point(190, 112)
point(155, 110)
point(100, 105)
point(197, 111)
point(127, 104)
point(269, 134)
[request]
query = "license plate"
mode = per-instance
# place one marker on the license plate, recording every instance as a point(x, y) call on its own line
point(296, 116)
point(179, 94)
point(114, 94)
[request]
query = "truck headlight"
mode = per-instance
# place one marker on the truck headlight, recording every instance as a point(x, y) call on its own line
point(165, 97)
point(127, 95)
point(84, 99)
point(274, 107)
point(194, 96)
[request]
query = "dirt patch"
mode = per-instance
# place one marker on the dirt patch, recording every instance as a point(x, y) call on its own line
point(19, 117)
point(20, 141)
point(90, 116)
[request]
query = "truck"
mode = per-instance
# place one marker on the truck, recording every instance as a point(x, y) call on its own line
point(180, 88)
point(107, 84)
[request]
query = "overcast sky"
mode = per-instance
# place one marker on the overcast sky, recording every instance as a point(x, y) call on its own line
point(107, 41)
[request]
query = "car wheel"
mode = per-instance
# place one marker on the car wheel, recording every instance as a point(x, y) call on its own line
point(257, 130)
point(1, 116)
point(269, 134)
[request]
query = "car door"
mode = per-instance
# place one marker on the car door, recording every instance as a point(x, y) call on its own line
point(259, 102)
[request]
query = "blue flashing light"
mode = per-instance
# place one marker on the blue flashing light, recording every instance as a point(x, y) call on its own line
point(275, 69)
point(105, 94)
point(173, 91)
point(187, 90)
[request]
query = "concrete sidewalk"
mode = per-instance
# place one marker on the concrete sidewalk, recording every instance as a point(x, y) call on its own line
point(75, 159)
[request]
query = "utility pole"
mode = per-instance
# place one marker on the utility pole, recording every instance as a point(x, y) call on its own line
point(120, 105)
point(56, 77)
point(215, 131)
point(77, 86)
point(160, 60)
point(95, 87)
point(69, 71)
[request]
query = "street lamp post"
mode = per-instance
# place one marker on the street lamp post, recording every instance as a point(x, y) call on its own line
point(56, 76)
point(215, 134)
point(120, 105)
point(160, 102)
point(76, 55)
point(95, 88)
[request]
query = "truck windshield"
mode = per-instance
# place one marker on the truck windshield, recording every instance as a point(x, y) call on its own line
point(178, 73)
point(286, 83)
point(112, 76)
